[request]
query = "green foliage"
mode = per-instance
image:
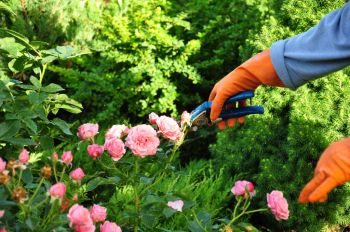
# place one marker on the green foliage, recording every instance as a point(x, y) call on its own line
point(280, 149)
point(27, 105)
point(203, 191)
point(139, 65)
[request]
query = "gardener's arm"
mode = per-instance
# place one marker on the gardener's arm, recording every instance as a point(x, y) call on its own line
point(322, 49)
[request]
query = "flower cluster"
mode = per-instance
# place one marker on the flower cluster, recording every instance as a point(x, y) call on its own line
point(83, 220)
point(275, 200)
point(142, 140)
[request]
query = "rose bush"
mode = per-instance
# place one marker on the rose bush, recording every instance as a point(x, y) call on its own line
point(139, 158)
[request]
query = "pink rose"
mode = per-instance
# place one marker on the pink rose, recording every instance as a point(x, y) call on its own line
point(2, 212)
point(77, 174)
point(58, 190)
point(95, 150)
point(185, 118)
point(176, 205)
point(110, 227)
point(142, 140)
point(24, 156)
point(2, 230)
point(168, 127)
point(240, 188)
point(85, 228)
point(278, 205)
point(2, 165)
point(79, 215)
point(67, 157)
point(115, 148)
point(98, 213)
point(117, 131)
point(87, 131)
point(153, 117)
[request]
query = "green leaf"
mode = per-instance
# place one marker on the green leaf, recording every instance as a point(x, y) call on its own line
point(52, 88)
point(168, 212)
point(20, 141)
point(31, 125)
point(62, 125)
point(7, 203)
point(28, 87)
point(69, 108)
point(48, 59)
point(29, 223)
point(35, 81)
point(18, 65)
point(97, 181)
point(9, 129)
point(9, 45)
point(6, 8)
point(27, 176)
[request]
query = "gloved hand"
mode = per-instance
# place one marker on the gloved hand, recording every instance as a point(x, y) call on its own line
point(256, 71)
point(332, 169)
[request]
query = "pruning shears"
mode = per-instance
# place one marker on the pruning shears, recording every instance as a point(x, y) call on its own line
point(201, 115)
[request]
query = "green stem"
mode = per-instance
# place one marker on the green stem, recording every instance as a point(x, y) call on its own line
point(256, 210)
point(198, 222)
point(54, 170)
point(115, 168)
point(41, 203)
point(42, 73)
point(20, 177)
point(64, 169)
point(36, 191)
point(236, 207)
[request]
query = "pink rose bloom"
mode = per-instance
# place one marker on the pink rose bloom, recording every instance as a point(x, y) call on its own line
point(185, 118)
point(2, 230)
point(79, 215)
point(77, 174)
point(85, 228)
point(98, 213)
point(278, 205)
point(115, 148)
point(2, 165)
point(176, 205)
point(153, 117)
point(87, 131)
point(58, 190)
point(24, 156)
point(110, 227)
point(67, 157)
point(240, 187)
point(95, 150)
point(168, 127)
point(142, 140)
point(2, 212)
point(117, 131)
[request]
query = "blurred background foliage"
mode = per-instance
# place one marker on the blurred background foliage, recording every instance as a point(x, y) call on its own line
point(165, 56)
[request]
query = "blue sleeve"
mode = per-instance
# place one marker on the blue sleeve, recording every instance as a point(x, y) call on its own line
point(323, 49)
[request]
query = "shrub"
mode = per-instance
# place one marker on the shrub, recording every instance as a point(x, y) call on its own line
point(281, 147)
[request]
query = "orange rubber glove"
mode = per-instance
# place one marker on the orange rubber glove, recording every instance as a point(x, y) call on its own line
point(332, 170)
point(256, 71)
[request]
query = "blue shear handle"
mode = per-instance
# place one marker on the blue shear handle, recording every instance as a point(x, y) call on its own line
point(240, 96)
point(236, 113)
